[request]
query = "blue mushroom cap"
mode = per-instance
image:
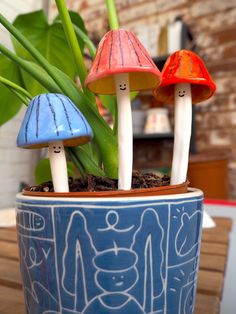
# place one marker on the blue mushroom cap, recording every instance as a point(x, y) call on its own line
point(51, 118)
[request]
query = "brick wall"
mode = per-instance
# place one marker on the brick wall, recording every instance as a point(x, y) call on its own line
point(213, 24)
point(15, 165)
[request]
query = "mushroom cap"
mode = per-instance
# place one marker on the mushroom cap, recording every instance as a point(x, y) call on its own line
point(52, 118)
point(118, 52)
point(184, 66)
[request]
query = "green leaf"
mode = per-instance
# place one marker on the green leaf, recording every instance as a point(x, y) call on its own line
point(78, 22)
point(86, 160)
point(49, 40)
point(43, 171)
point(35, 71)
point(33, 86)
point(9, 103)
point(103, 135)
point(57, 81)
point(109, 102)
point(74, 45)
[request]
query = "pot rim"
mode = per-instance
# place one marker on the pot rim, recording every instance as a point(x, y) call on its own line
point(161, 190)
point(191, 192)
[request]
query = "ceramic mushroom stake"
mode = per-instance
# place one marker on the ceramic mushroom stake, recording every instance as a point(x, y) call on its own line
point(122, 65)
point(185, 79)
point(53, 121)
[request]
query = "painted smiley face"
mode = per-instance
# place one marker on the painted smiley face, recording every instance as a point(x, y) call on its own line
point(117, 281)
point(123, 86)
point(57, 149)
point(181, 93)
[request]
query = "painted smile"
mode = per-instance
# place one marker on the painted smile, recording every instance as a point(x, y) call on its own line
point(181, 95)
point(120, 283)
point(57, 151)
point(122, 88)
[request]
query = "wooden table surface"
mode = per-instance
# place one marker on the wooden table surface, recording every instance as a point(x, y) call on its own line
point(214, 250)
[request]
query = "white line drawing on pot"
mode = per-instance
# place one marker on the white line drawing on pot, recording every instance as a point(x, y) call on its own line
point(112, 225)
point(123, 281)
point(183, 243)
point(30, 221)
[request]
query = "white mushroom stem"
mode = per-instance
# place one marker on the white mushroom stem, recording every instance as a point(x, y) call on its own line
point(58, 166)
point(125, 131)
point(182, 133)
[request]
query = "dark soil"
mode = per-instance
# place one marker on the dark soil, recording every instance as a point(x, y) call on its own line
point(92, 183)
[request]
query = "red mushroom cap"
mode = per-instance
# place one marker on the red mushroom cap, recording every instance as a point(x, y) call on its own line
point(185, 66)
point(120, 51)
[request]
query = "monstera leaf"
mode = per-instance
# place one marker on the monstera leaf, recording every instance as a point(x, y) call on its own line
point(52, 55)
point(10, 104)
point(50, 41)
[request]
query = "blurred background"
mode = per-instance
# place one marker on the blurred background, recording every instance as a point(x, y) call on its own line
point(206, 26)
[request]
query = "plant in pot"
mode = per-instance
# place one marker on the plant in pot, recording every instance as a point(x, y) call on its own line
point(123, 251)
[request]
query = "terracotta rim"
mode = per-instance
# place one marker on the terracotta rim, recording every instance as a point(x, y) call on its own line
point(162, 190)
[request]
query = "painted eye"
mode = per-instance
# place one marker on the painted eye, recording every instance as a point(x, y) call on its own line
point(124, 85)
point(59, 147)
point(184, 91)
point(54, 147)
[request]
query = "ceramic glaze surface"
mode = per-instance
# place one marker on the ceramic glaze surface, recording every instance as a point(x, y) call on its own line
point(118, 52)
point(50, 118)
point(184, 66)
point(118, 256)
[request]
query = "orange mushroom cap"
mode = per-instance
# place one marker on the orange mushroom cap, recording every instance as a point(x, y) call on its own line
point(185, 66)
point(118, 52)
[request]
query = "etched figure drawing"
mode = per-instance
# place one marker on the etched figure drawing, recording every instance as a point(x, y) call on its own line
point(81, 263)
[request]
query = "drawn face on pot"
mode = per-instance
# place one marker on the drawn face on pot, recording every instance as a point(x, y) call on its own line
point(119, 281)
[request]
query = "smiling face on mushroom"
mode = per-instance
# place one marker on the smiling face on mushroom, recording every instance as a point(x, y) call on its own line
point(181, 93)
point(185, 79)
point(58, 123)
point(56, 148)
point(121, 65)
point(123, 87)
point(182, 90)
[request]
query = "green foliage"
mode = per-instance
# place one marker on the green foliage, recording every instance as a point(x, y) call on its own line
point(48, 39)
point(43, 172)
point(9, 104)
point(47, 58)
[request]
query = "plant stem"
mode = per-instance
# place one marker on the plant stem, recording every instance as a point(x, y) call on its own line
point(24, 101)
point(72, 40)
point(33, 51)
point(16, 87)
point(43, 79)
point(88, 43)
point(114, 24)
point(112, 14)
point(73, 157)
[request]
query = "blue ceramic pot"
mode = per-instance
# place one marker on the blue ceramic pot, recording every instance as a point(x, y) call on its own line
point(114, 255)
